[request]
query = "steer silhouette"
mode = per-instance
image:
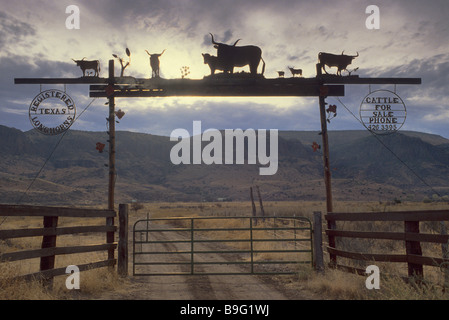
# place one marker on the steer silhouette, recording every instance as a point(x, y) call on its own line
point(88, 65)
point(213, 62)
point(155, 63)
point(341, 61)
point(230, 56)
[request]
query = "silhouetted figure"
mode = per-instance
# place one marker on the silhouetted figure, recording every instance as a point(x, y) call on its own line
point(88, 65)
point(295, 71)
point(341, 61)
point(154, 62)
point(213, 62)
point(231, 56)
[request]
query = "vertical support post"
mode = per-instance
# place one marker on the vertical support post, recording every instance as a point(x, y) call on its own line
point(111, 186)
point(122, 255)
point(413, 247)
point(318, 242)
point(111, 121)
point(48, 262)
point(326, 161)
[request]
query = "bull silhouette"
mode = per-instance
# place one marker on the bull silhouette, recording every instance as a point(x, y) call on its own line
point(154, 63)
point(341, 61)
point(230, 56)
point(88, 65)
point(213, 62)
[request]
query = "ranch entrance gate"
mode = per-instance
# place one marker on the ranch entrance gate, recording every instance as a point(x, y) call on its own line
point(322, 86)
point(221, 245)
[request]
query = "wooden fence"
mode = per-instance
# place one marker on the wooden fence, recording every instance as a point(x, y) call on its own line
point(50, 230)
point(411, 236)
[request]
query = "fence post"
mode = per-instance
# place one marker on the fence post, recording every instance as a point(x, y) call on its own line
point(48, 262)
point(110, 240)
point(251, 244)
point(122, 254)
point(192, 263)
point(413, 247)
point(318, 242)
point(331, 225)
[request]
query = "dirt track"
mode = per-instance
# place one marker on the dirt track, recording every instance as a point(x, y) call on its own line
point(205, 287)
point(240, 287)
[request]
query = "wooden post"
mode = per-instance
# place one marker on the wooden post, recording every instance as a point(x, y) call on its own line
point(122, 255)
point(326, 161)
point(48, 262)
point(413, 247)
point(111, 121)
point(445, 255)
point(318, 261)
point(253, 205)
point(327, 174)
point(261, 203)
point(111, 186)
point(332, 225)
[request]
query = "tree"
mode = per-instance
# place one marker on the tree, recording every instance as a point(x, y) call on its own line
point(136, 206)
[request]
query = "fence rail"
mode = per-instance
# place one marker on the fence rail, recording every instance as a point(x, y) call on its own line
point(411, 236)
point(50, 230)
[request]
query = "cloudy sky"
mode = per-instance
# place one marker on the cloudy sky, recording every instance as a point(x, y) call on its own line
point(412, 41)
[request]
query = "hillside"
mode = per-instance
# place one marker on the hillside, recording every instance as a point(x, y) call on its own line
point(363, 168)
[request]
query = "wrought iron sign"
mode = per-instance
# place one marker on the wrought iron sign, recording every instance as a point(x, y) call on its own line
point(383, 112)
point(52, 112)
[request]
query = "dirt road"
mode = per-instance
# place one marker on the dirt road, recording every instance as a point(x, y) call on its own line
point(203, 287)
point(240, 287)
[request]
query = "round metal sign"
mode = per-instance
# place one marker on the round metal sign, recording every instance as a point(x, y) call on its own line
point(382, 112)
point(52, 112)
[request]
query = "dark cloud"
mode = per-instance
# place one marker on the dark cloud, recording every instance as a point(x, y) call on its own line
point(13, 31)
point(411, 43)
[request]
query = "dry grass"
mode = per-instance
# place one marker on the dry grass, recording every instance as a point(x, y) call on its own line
point(91, 282)
point(332, 285)
point(335, 284)
point(338, 285)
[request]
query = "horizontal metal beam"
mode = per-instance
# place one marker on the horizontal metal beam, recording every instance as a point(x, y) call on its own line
point(221, 91)
point(324, 79)
point(82, 80)
point(356, 80)
point(220, 86)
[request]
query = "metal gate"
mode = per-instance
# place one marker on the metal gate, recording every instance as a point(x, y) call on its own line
point(221, 245)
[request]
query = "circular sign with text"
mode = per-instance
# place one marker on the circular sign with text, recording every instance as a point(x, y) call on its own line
point(382, 112)
point(52, 112)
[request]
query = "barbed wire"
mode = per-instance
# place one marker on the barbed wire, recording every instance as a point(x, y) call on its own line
point(47, 159)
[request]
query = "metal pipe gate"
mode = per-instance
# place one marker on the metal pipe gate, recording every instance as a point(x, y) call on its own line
point(221, 245)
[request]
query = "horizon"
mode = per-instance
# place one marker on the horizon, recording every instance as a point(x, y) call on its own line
point(280, 131)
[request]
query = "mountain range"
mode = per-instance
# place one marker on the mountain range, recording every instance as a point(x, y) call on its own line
point(69, 170)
